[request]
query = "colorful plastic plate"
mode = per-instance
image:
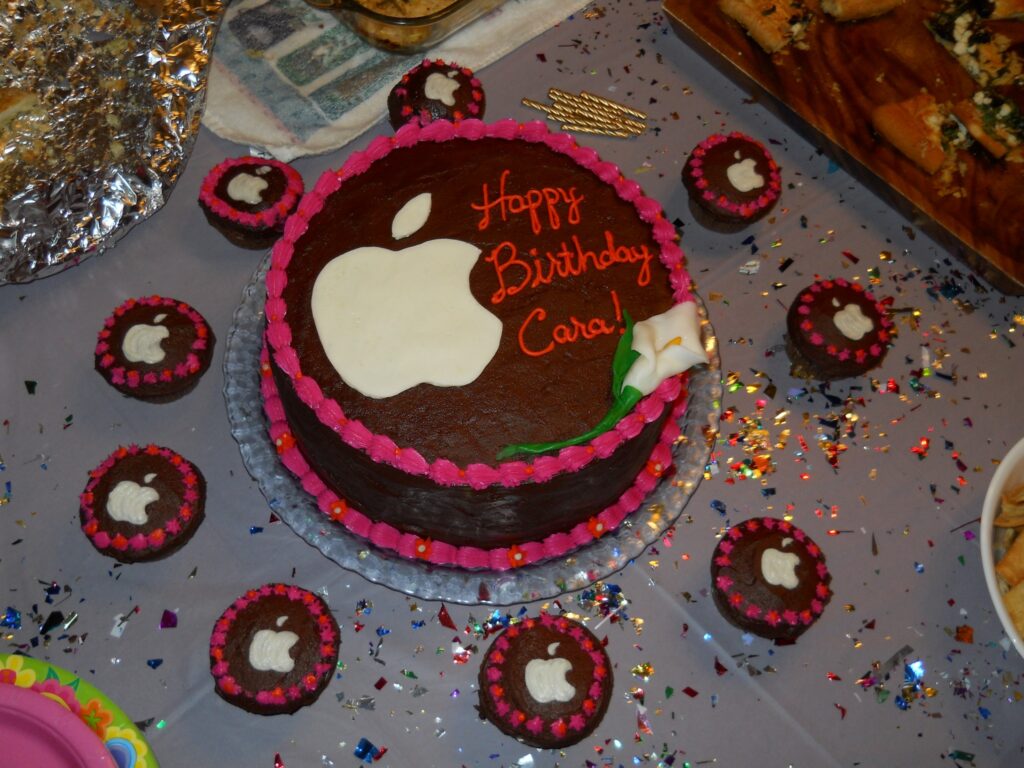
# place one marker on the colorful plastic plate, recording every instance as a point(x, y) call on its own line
point(36, 730)
point(63, 718)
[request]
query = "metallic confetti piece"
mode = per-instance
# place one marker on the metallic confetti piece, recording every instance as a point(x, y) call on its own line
point(643, 670)
point(366, 750)
point(278, 762)
point(445, 618)
point(55, 619)
point(154, 663)
point(168, 620)
point(11, 619)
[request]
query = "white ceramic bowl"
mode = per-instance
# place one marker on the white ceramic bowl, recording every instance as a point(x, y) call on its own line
point(1009, 473)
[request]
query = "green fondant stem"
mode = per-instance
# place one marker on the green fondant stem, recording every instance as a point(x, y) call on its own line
point(630, 396)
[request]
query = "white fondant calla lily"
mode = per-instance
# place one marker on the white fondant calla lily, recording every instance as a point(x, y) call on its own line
point(668, 344)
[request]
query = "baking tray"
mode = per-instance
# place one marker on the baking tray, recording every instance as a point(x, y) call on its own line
point(825, 90)
point(405, 34)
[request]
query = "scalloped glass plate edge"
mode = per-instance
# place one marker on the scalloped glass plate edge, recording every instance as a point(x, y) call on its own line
point(540, 581)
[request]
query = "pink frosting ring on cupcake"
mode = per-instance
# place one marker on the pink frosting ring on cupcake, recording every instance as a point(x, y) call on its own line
point(184, 369)
point(716, 199)
point(313, 680)
point(158, 538)
point(575, 633)
point(269, 218)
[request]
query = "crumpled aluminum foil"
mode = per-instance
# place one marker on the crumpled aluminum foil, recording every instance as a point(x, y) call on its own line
point(100, 102)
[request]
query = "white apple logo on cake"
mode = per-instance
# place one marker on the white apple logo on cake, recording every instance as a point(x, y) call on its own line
point(545, 678)
point(127, 501)
point(390, 320)
point(142, 342)
point(441, 87)
point(270, 649)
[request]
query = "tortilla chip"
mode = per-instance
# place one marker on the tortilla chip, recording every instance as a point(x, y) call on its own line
point(1011, 567)
point(1011, 509)
point(1014, 602)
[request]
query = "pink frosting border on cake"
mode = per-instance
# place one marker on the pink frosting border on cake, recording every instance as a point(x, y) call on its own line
point(123, 376)
point(883, 334)
point(517, 720)
point(443, 471)
point(722, 558)
point(158, 537)
point(269, 218)
point(312, 681)
point(722, 201)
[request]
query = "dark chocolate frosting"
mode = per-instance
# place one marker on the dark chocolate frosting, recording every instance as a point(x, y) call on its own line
point(519, 397)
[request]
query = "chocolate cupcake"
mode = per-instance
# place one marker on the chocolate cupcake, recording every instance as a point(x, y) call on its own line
point(248, 199)
point(835, 329)
point(274, 650)
point(142, 503)
point(435, 90)
point(154, 348)
point(769, 578)
point(732, 181)
point(546, 681)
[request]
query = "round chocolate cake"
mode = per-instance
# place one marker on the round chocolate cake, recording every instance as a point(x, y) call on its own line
point(836, 329)
point(769, 578)
point(452, 299)
point(274, 649)
point(142, 503)
point(732, 181)
point(247, 199)
point(436, 90)
point(546, 681)
point(154, 348)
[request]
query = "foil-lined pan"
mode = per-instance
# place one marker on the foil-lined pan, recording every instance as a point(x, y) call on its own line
point(100, 103)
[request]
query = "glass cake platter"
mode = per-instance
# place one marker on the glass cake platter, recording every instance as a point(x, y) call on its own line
point(539, 581)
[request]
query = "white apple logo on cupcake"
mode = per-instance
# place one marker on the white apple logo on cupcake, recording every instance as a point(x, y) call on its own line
point(743, 174)
point(441, 87)
point(390, 320)
point(127, 501)
point(545, 678)
point(248, 188)
point(779, 568)
point(852, 322)
point(270, 649)
point(142, 342)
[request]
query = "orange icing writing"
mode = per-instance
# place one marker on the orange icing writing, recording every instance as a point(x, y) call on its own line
point(516, 273)
point(534, 202)
point(569, 332)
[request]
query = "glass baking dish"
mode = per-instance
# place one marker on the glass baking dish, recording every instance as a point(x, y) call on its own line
point(401, 25)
